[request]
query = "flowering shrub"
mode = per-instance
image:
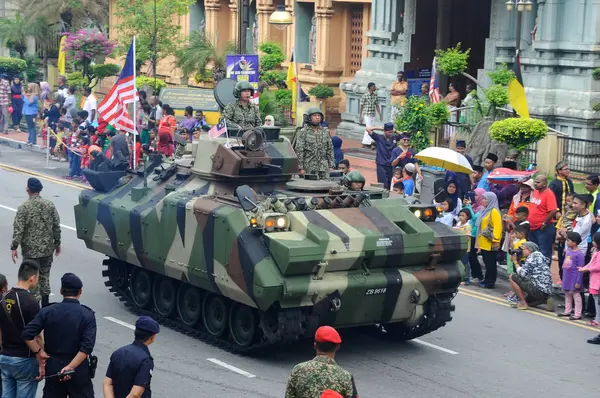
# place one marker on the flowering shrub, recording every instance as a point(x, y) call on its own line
point(85, 45)
point(418, 117)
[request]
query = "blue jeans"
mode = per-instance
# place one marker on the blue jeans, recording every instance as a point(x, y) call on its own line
point(31, 129)
point(75, 166)
point(465, 261)
point(544, 238)
point(18, 377)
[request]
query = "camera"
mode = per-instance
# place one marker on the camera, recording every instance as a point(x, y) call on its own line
point(516, 252)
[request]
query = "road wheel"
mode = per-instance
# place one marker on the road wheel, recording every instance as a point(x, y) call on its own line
point(118, 273)
point(164, 294)
point(214, 314)
point(141, 287)
point(189, 304)
point(242, 324)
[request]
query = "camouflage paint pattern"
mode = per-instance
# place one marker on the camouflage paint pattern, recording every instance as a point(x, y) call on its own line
point(352, 266)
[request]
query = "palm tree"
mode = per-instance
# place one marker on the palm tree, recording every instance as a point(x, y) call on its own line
point(82, 13)
point(15, 31)
point(199, 52)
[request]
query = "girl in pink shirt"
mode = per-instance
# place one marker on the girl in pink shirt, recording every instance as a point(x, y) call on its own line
point(594, 269)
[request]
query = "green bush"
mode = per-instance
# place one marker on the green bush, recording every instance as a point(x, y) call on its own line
point(33, 71)
point(268, 105)
point(283, 98)
point(321, 91)
point(502, 75)
point(270, 47)
point(497, 95)
point(596, 107)
point(453, 61)
point(596, 74)
point(104, 70)
point(518, 133)
point(77, 80)
point(418, 116)
point(142, 81)
point(12, 66)
point(438, 113)
point(271, 61)
point(274, 78)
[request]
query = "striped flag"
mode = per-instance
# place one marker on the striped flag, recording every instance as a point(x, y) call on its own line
point(113, 107)
point(434, 85)
point(218, 129)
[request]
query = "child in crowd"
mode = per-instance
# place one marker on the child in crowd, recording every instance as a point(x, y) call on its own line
point(593, 268)
point(463, 226)
point(407, 178)
point(338, 153)
point(518, 236)
point(397, 177)
point(74, 158)
point(398, 188)
point(572, 278)
point(447, 216)
point(521, 214)
point(153, 140)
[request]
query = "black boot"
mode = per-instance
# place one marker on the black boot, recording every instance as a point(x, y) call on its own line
point(45, 301)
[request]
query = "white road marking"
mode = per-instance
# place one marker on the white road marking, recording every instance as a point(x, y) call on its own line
point(117, 321)
point(230, 367)
point(437, 347)
point(15, 210)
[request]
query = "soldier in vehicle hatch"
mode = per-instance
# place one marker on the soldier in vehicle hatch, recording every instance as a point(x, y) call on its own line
point(354, 181)
point(314, 147)
point(242, 113)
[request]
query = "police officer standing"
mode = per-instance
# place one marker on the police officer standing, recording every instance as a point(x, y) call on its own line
point(130, 369)
point(386, 143)
point(37, 230)
point(243, 112)
point(314, 147)
point(70, 335)
point(310, 379)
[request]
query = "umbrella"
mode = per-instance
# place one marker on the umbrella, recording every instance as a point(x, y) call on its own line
point(505, 176)
point(445, 158)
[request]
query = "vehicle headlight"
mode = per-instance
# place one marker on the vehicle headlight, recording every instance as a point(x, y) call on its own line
point(425, 213)
point(417, 213)
point(274, 222)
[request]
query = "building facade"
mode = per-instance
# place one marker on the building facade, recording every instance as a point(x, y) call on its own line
point(559, 49)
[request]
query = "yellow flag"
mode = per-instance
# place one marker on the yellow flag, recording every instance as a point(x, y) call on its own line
point(516, 91)
point(61, 56)
point(292, 84)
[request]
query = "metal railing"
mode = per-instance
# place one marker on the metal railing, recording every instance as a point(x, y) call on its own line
point(583, 156)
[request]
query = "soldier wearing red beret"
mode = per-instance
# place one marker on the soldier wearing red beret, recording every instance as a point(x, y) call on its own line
point(321, 376)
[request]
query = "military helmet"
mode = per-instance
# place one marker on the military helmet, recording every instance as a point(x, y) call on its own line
point(312, 111)
point(241, 86)
point(353, 176)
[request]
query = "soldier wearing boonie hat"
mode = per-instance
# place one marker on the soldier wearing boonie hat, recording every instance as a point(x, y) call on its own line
point(322, 376)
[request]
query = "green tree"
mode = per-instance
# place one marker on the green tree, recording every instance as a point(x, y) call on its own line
point(199, 52)
point(137, 18)
point(73, 14)
point(15, 32)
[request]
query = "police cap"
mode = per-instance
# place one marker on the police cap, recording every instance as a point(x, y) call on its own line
point(34, 184)
point(327, 334)
point(147, 324)
point(70, 281)
point(388, 126)
point(461, 144)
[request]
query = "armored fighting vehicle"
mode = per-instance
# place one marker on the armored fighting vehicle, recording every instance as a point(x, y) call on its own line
point(227, 244)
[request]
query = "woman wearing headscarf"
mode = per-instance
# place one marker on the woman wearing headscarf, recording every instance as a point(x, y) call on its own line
point(475, 208)
point(338, 154)
point(532, 278)
point(489, 235)
point(269, 121)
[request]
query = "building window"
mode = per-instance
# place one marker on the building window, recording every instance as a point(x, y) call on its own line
point(356, 38)
point(197, 16)
point(304, 14)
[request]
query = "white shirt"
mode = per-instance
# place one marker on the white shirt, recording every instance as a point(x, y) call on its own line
point(583, 226)
point(89, 106)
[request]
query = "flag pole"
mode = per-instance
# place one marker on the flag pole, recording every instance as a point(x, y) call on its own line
point(226, 132)
point(133, 166)
point(297, 99)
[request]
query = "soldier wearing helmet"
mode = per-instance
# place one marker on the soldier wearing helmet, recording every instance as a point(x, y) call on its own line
point(354, 180)
point(313, 378)
point(242, 113)
point(313, 146)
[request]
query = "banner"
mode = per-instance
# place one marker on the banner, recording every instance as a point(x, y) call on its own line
point(244, 68)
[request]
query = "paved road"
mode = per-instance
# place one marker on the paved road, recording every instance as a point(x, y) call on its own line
point(488, 350)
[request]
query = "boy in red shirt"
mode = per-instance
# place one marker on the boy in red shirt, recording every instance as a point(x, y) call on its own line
point(542, 210)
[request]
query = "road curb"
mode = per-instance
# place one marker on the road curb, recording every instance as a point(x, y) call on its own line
point(21, 145)
point(44, 176)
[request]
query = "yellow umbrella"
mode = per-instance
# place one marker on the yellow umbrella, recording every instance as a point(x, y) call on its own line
point(445, 158)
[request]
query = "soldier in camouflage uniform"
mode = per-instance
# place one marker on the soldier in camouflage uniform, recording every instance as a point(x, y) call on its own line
point(310, 379)
point(242, 113)
point(181, 141)
point(37, 230)
point(314, 147)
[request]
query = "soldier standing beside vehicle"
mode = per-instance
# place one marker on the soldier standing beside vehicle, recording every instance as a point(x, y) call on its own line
point(70, 334)
point(314, 147)
point(130, 369)
point(310, 379)
point(37, 230)
point(243, 112)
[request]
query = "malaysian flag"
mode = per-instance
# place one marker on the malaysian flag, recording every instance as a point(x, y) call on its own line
point(113, 107)
point(434, 85)
point(218, 129)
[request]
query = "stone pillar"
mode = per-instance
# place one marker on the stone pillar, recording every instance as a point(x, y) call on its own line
point(557, 60)
point(392, 25)
point(266, 32)
point(290, 33)
point(233, 22)
point(212, 8)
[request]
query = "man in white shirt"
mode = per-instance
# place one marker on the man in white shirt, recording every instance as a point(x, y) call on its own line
point(90, 105)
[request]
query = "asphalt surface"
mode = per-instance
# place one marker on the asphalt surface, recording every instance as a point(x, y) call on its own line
point(488, 350)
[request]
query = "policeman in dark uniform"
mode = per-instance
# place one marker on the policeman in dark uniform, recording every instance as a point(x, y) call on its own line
point(130, 370)
point(70, 335)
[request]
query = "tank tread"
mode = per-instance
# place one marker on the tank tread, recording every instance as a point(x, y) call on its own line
point(257, 349)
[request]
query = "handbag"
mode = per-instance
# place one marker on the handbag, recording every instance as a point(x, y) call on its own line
point(488, 233)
